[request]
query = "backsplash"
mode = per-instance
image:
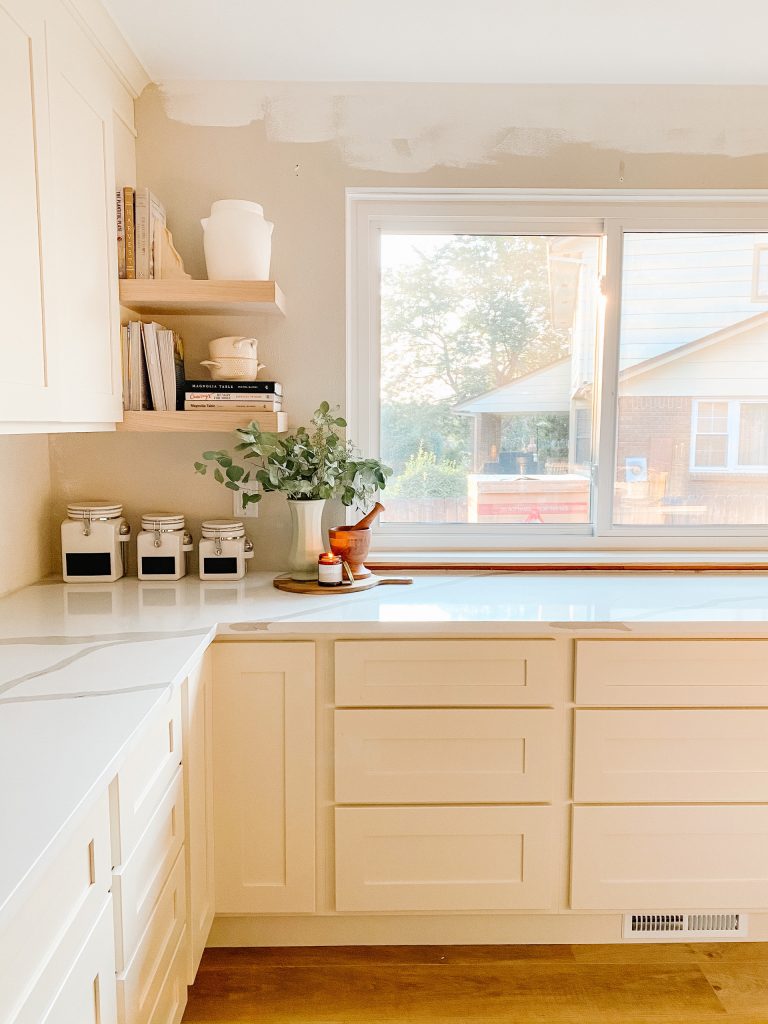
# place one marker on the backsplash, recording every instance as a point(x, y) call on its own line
point(25, 510)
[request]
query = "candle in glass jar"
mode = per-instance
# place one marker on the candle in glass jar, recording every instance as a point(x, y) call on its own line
point(329, 570)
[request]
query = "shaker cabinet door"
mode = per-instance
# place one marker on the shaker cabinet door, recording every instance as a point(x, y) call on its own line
point(264, 777)
point(26, 384)
point(84, 300)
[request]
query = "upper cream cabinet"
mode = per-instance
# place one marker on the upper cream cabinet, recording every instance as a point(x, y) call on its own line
point(62, 104)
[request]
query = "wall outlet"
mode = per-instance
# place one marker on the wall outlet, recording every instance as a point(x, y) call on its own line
point(251, 511)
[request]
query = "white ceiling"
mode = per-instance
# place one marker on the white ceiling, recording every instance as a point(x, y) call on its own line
point(485, 41)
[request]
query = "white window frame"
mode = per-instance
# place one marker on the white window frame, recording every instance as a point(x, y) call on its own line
point(732, 465)
point(541, 211)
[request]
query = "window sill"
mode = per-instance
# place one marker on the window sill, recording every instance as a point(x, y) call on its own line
point(573, 561)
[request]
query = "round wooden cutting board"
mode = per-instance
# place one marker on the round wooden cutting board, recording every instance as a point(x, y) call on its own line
point(285, 583)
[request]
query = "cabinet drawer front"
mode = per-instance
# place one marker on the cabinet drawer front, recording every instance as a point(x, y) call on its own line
point(671, 756)
point(677, 858)
point(146, 773)
point(138, 884)
point(444, 756)
point(63, 904)
point(140, 985)
point(443, 858)
point(87, 994)
point(169, 1008)
point(419, 673)
point(680, 673)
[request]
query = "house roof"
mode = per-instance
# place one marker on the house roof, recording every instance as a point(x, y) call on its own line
point(545, 390)
point(548, 389)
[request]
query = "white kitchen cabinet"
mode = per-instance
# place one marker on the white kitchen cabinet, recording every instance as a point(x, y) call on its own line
point(706, 857)
point(39, 939)
point(445, 755)
point(264, 777)
point(87, 994)
point(26, 374)
point(147, 771)
point(86, 315)
point(198, 792)
point(59, 102)
point(444, 858)
point(448, 673)
point(671, 756)
point(676, 673)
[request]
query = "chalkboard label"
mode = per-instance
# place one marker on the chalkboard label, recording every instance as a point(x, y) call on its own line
point(220, 566)
point(90, 563)
point(154, 565)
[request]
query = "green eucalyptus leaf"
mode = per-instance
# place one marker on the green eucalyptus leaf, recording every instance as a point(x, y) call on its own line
point(235, 472)
point(218, 475)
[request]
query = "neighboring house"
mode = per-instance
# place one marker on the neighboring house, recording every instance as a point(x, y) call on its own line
point(693, 381)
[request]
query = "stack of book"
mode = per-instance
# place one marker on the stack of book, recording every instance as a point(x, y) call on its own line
point(153, 367)
point(140, 226)
point(260, 401)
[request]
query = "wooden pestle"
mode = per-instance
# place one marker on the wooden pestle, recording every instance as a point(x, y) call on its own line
point(366, 521)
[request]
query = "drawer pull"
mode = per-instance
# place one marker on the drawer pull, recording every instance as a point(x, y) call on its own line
point(96, 1000)
point(91, 863)
point(170, 736)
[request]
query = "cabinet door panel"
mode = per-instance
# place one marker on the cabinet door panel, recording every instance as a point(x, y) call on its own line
point(264, 777)
point(677, 673)
point(444, 858)
point(676, 858)
point(198, 782)
point(419, 673)
point(87, 993)
point(146, 774)
point(25, 391)
point(59, 910)
point(670, 756)
point(84, 232)
point(445, 756)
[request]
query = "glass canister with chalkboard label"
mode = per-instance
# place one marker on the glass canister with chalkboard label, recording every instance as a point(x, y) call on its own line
point(93, 540)
point(223, 550)
point(162, 546)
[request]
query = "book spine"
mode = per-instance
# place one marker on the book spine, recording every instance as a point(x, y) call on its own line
point(120, 233)
point(230, 396)
point(142, 233)
point(260, 387)
point(196, 403)
point(130, 232)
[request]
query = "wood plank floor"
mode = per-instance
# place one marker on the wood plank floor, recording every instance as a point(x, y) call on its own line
point(628, 984)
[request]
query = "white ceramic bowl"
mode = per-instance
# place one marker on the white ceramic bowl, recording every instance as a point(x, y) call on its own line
point(231, 368)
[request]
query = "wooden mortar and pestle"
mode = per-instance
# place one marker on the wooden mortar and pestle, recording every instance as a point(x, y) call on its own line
point(352, 543)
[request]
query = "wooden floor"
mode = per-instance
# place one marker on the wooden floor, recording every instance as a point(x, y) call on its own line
point(657, 984)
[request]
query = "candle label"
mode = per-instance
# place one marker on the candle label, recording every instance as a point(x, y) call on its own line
point(329, 574)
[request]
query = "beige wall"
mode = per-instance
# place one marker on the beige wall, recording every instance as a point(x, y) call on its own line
point(25, 508)
point(296, 148)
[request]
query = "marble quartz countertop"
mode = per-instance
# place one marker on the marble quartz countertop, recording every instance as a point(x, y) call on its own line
point(81, 666)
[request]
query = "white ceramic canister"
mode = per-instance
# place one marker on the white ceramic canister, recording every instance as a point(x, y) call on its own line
point(223, 550)
point(162, 546)
point(237, 241)
point(93, 537)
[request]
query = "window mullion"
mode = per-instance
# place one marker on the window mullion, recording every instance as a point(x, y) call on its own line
point(606, 407)
point(734, 427)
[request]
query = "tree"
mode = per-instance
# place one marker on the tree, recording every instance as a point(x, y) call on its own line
point(467, 316)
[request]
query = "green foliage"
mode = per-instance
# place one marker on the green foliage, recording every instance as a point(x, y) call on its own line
point(470, 315)
point(426, 477)
point(405, 427)
point(305, 466)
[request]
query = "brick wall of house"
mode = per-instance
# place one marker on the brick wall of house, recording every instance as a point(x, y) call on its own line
point(659, 429)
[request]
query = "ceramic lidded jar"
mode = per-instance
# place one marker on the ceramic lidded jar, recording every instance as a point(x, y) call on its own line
point(237, 241)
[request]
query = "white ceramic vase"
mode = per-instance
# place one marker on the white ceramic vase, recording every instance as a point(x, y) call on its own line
point(306, 538)
point(237, 241)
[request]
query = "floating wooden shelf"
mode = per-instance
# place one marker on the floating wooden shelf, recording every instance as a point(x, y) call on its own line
point(202, 297)
point(201, 421)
